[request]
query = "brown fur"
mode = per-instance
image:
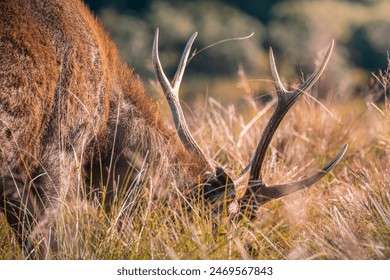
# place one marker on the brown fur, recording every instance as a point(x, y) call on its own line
point(65, 95)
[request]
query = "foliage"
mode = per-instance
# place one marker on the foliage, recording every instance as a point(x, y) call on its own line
point(360, 29)
point(134, 36)
point(297, 30)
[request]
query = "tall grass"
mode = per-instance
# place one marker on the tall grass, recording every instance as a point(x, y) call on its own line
point(344, 216)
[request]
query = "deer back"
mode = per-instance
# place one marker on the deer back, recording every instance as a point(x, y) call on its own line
point(62, 83)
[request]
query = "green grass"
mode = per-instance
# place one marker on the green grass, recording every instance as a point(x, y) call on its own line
point(344, 216)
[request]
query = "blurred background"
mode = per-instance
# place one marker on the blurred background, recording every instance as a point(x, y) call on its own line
point(298, 31)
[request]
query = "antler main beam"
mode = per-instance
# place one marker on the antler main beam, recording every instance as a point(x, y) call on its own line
point(286, 100)
point(258, 192)
point(171, 91)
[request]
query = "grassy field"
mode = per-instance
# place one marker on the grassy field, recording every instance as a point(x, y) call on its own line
point(344, 216)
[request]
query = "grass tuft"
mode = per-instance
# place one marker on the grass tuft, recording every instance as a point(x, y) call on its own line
point(344, 216)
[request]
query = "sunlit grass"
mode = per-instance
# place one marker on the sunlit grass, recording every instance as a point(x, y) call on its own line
point(344, 216)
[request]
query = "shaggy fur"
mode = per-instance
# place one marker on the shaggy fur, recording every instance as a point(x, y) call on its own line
point(70, 107)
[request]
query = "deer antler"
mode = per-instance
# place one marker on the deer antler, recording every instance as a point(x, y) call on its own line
point(171, 92)
point(258, 192)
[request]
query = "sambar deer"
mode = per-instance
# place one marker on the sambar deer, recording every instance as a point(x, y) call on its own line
point(70, 107)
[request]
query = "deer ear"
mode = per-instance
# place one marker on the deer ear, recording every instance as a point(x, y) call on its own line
point(217, 185)
point(222, 177)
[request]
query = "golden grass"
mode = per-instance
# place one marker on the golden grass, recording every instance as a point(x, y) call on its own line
point(344, 216)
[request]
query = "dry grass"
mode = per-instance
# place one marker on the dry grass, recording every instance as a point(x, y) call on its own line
point(344, 216)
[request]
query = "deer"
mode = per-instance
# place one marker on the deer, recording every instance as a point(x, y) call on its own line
point(71, 110)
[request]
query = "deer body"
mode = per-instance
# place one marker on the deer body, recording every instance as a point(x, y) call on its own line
point(67, 87)
point(70, 107)
point(66, 99)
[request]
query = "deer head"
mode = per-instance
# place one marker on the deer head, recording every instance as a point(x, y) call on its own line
point(71, 111)
point(217, 183)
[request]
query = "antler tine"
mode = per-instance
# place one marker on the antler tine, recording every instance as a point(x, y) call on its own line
point(183, 63)
point(266, 194)
point(162, 78)
point(274, 71)
point(171, 92)
point(318, 72)
point(285, 100)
